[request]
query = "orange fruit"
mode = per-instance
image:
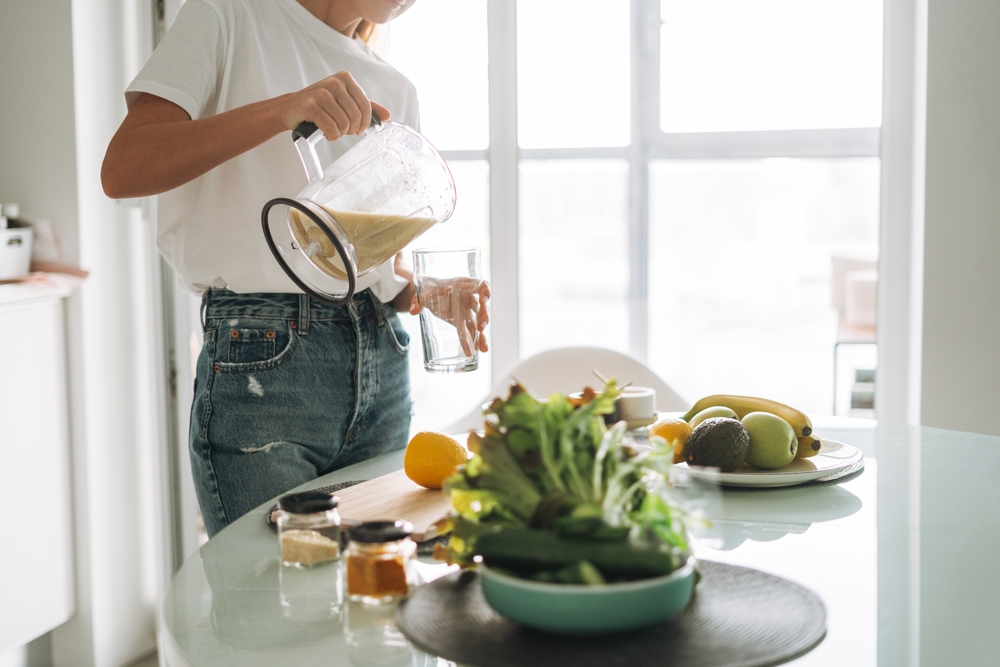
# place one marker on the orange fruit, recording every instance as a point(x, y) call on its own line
point(432, 457)
point(675, 431)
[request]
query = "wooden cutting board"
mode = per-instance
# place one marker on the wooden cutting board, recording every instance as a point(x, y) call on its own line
point(394, 496)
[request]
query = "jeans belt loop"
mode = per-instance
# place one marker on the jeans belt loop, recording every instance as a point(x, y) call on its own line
point(303, 327)
point(203, 311)
point(377, 305)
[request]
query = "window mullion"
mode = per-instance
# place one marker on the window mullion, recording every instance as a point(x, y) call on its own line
point(835, 142)
point(645, 49)
point(502, 26)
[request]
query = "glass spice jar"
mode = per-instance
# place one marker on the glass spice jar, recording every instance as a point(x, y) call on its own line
point(310, 579)
point(308, 528)
point(378, 561)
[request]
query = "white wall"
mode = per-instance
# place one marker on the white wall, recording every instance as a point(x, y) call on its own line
point(900, 284)
point(37, 158)
point(63, 66)
point(961, 295)
point(37, 132)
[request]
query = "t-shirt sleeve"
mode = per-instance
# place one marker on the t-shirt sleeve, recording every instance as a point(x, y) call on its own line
point(385, 284)
point(187, 65)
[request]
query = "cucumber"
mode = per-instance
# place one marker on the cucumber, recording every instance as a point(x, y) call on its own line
point(527, 550)
point(580, 572)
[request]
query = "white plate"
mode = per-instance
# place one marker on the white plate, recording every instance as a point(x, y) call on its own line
point(833, 458)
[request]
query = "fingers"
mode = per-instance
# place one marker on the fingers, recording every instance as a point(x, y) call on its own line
point(380, 111)
point(466, 336)
point(333, 120)
point(356, 100)
point(470, 324)
point(483, 314)
point(463, 302)
point(337, 105)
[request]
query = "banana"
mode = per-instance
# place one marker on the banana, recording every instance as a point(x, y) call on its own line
point(744, 405)
point(808, 446)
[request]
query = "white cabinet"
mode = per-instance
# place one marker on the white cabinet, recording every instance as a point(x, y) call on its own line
point(36, 556)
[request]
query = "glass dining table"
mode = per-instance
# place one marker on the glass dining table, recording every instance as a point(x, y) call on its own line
point(905, 556)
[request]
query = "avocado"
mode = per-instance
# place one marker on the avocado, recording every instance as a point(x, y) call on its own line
point(718, 442)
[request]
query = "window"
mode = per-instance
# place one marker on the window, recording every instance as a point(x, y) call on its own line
point(455, 118)
point(686, 174)
point(739, 271)
point(762, 174)
point(733, 65)
point(573, 259)
point(572, 73)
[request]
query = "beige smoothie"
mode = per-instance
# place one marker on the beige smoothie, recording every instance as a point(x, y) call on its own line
point(376, 237)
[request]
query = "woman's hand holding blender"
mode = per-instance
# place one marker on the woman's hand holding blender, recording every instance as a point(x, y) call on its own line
point(336, 105)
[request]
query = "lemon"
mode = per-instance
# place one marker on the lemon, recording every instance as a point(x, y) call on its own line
point(675, 431)
point(432, 457)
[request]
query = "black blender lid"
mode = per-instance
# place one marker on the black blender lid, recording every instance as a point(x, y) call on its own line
point(373, 532)
point(324, 222)
point(308, 502)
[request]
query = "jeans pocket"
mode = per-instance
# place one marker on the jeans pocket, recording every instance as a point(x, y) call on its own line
point(398, 336)
point(247, 345)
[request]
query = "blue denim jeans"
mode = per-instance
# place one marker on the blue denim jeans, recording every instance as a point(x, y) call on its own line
point(288, 389)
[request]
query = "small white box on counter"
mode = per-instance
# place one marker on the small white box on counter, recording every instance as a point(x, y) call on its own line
point(15, 252)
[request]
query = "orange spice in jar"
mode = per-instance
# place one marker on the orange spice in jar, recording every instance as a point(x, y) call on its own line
point(378, 561)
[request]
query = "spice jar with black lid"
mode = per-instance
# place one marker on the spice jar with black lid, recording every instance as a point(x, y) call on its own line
point(378, 561)
point(308, 528)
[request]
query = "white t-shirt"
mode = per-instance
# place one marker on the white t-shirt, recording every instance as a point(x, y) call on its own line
point(223, 54)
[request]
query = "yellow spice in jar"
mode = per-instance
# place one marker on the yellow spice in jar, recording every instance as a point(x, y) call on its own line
point(307, 547)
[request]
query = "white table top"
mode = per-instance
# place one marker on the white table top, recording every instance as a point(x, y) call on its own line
point(905, 556)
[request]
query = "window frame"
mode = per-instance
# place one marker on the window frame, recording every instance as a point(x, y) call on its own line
point(647, 143)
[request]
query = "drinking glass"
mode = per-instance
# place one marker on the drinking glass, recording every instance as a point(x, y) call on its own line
point(448, 285)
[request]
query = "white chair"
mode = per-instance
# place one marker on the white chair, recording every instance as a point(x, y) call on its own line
point(569, 369)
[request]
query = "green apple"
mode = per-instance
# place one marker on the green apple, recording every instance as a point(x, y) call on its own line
point(709, 413)
point(772, 441)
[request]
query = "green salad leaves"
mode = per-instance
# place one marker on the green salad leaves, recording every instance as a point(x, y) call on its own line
point(554, 467)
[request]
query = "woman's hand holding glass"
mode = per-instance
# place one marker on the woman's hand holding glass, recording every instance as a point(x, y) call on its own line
point(452, 300)
point(463, 303)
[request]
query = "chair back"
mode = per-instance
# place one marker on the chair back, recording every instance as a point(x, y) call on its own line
point(569, 369)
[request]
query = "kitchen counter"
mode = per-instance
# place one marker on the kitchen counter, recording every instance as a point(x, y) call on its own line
point(53, 286)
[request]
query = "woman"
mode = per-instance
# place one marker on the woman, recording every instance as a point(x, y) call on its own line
point(287, 388)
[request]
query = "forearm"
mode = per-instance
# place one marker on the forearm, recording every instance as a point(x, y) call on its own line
point(404, 299)
point(158, 147)
point(150, 158)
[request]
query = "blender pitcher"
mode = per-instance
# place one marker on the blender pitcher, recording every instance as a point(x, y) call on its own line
point(360, 211)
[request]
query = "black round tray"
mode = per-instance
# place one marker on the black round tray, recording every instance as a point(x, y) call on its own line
point(738, 617)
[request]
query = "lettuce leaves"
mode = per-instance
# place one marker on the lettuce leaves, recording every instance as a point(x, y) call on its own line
point(555, 465)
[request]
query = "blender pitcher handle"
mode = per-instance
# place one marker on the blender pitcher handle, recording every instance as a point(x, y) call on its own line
point(306, 135)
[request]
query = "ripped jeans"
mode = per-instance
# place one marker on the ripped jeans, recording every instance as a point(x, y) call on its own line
point(288, 389)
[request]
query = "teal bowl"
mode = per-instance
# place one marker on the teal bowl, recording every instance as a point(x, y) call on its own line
point(606, 608)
